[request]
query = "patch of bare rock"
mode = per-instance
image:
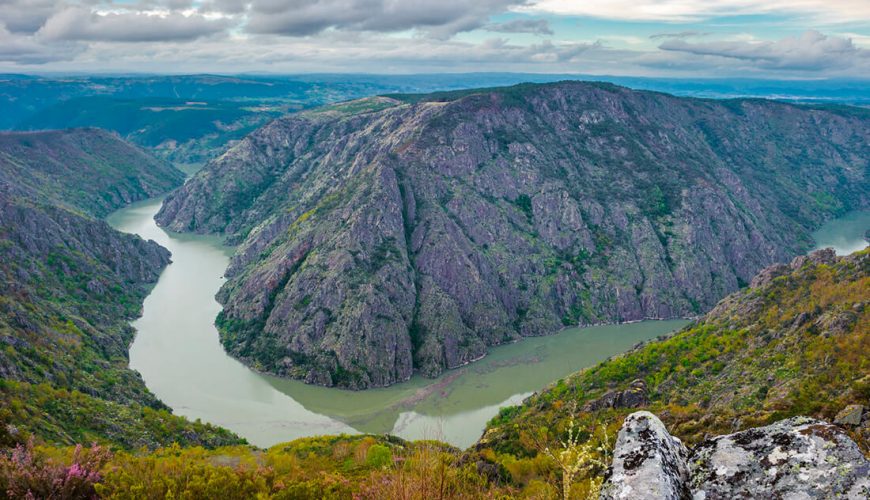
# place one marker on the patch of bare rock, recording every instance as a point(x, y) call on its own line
point(796, 458)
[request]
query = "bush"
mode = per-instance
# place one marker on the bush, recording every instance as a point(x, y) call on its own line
point(27, 473)
point(379, 456)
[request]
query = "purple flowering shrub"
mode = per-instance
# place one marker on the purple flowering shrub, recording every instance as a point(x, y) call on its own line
point(25, 472)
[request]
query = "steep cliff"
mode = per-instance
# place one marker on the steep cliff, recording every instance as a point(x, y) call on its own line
point(69, 284)
point(409, 233)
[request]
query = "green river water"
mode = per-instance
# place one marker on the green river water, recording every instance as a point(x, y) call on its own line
point(178, 353)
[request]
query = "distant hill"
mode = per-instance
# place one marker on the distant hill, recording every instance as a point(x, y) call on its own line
point(408, 233)
point(182, 131)
point(88, 170)
point(193, 118)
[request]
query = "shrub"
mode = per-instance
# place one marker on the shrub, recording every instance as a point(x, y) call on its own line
point(379, 456)
point(27, 473)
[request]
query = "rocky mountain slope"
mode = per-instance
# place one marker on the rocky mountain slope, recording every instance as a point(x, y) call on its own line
point(409, 233)
point(69, 284)
point(85, 170)
point(792, 344)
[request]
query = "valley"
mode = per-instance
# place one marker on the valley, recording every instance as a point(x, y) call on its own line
point(510, 268)
point(178, 352)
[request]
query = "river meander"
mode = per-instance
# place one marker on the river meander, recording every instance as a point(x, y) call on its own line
point(178, 353)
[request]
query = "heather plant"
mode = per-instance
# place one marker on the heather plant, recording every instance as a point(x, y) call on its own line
point(25, 472)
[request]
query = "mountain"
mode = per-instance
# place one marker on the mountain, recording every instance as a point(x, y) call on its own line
point(70, 284)
point(179, 130)
point(410, 232)
point(86, 170)
point(190, 119)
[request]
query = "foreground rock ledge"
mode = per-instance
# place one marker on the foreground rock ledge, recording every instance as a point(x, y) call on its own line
point(798, 458)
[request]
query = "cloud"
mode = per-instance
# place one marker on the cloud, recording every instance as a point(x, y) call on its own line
point(26, 16)
point(680, 35)
point(810, 51)
point(27, 49)
point(827, 11)
point(83, 24)
point(533, 26)
point(438, 19)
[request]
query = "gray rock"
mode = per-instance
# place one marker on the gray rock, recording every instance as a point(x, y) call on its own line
point(850, 415)
point(768, 274)
point(648, 463)
point(633, 397)
point(795, 458)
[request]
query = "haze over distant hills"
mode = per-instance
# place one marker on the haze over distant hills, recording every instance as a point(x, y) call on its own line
point(190, 119)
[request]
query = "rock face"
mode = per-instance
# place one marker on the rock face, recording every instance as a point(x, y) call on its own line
point(414, 232)
point(648, 463)
point(794, 458)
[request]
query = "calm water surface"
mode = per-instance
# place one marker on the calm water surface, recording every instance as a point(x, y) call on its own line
point(178, 353)
point(844, 234)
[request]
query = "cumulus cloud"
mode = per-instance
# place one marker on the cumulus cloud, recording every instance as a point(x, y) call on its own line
point(83, 24)
point(28, 49)
point(417, 36)
point(810, 51)
point(26, 16)
point(533, 26)
point(440, 19)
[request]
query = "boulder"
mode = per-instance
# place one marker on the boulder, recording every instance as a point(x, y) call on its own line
point(797, 458)
point(794, 458)
point(850, 415)
point(633, 397)
point(648, 463)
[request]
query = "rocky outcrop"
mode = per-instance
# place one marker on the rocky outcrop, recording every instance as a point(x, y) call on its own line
point(648, 463)
point(633, 397)
point(795, 458)
point(414, 234)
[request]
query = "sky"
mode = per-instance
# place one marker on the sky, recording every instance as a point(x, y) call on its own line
point(781, 39)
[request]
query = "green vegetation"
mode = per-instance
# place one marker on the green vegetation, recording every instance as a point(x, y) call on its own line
point(793, 345)
point(365, 467)
point(87, 171)
point(69, 285)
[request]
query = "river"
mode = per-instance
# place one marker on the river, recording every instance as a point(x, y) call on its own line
point(178, 353)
